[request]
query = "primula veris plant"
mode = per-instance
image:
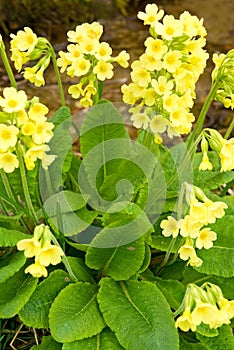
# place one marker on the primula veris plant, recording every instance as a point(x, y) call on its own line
point(128, 245)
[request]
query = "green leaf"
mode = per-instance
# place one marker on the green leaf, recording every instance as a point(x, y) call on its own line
point(75, 315)
point(9, 238)
point(219, 260)
point(35, 312)
point(204, 329)
point(48, 343)
point(15, 292)
point(138, 314)
point(184, 345)
point(10, 264)
point(173, 291)
point(120, 262)
point(106, 340)
point(10, 222)
point(224, 340)
point(60, 116)
point(80, 270)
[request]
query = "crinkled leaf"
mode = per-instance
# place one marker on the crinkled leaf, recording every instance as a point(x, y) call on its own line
point(48, 343)
point(10, 222)
point(120, 262)
point(35, 312)
point(204, 329)
point(219, 260)
point(138, 314)
point(15, 292)
point(80, 270)
point(75, 315)
point(184, 345)
point(106, 340)
point(224, 340)
point(10, 264)
point(173, 291)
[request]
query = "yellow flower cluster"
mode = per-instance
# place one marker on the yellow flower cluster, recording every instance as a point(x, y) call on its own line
point(41, 248)
point(224, 148)
point(164, 76)
point(24, 129)
point(202, 211)
point(224, 72)
point(204, 304)
point(89, 59)
point(25, 47)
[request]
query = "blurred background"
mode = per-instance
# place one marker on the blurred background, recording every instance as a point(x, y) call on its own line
point(122, 30)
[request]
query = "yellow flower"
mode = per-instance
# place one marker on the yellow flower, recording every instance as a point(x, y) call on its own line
point(103, 70)
point(150, 62)
point(24, 40)
point(103, 51)
point(50, 254)
point(76, 90)
point(63, 61)
point(22, 117)
point(151, 14)
point(195, 261)
point(77, 35)
point(185, 322)
point(140, 75)
point(189, 227)
point(205, 163)
point(80, 66)
point(74, 52)
point(19, 58)
point(128, 94)
point(170, 28)
point(218, 59)
point(199, 211)
point(122, 59)
point(192, 26)
point(34, 75)
point(30, 246)
point(155, 47)
point(158, 124)
point(227, 155)
point(8, 162)
point(13, 100)
point(37, 270)
point(28, 129)
point(172, 61)
point(158, 139)
point(90, 89)
point(140, 120)
point(170, 227)
point(149, 97)
point(37, 112)
point(170, 102)
point(89, 46)
point(215, 210)
point(162, 86)
point(205, 238)
point(47, 159)
point(86, 101)
point(93, 30)
point(204, 312)
point(43, 133)
point(187, 251)
point(8, 136)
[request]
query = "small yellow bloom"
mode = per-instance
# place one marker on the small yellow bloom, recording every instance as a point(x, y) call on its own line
point(195, 261)
point(172, 61)
point(122, 59)
point(28, 129)
point(86, 101)
point(155, 47)
point(170, 102)
point(103, 51)
point(22, 117)
point(205, 163)
point(185, 322)
point(74, 52)
point(150, 62)
point(158, 124)
point(189, 227)
point(205, 238)
point(47, 159)
point(162, 86)
point(8, 162)
point(158, 139)
point(89, 46)
point(19, 58)
point(50, 255)
point(37, 270)
point(93, 30)
point(8, 136)
point(149, 97)
point(103, 70)
point(37, 112)
point(43, 133)
point(204, 312)
point(30, 246)
point(227, 155)
point(151, 15)
point(13, 100)
point(63, 61)
point(140, 120)
point(170, 28)
point(76, 90)
point(80, 66)
point(170, 227)
point(24, 40)
point(139, 74)
point(187, 251)
point(34, 75)
point(215, 210)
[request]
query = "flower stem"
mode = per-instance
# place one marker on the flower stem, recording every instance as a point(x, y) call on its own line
point(7, 65)
point(229, 130)
point(25, 185)
point(200, 121)
point(59, 80)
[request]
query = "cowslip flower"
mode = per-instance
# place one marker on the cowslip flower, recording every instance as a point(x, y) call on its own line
point(25, 40)
point(8, 136)
point(151, 15)
point(103, 70)
point(30, 246)
point(8, 162)
point(170, 227)
point(205, 238)
point(205, 163)
point(13, 100)
point(36, 270)
point(185, 322)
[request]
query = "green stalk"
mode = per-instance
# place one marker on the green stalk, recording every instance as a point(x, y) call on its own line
point(25, 185)
point(7, 65)
point(229, 130)
point(59, 80)
point(202, 115)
